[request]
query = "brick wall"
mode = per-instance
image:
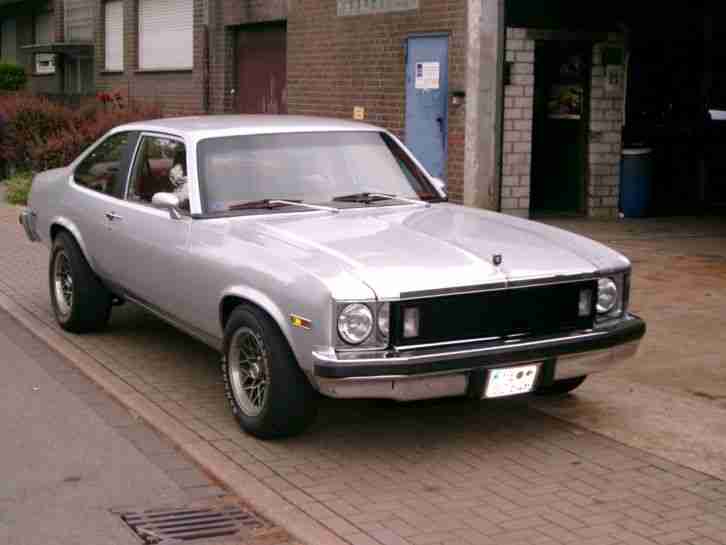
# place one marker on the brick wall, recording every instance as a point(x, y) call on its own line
point(176, 92)
point(606, 118)
point(336, 63)
point(518, 115)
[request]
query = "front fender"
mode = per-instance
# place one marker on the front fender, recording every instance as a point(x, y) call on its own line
point(302, 341)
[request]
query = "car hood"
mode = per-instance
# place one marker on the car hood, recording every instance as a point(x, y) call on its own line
point(399, 250)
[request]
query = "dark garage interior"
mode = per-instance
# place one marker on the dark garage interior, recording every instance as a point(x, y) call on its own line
point(676, 91)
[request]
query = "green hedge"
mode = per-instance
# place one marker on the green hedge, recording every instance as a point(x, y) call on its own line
point(12, 77)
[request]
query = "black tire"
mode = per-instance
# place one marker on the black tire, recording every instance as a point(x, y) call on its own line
point(89, 306)
point(289, 403)
point(560, 387)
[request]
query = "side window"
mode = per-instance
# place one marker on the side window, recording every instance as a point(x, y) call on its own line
point(100, 171)
point(160, 167)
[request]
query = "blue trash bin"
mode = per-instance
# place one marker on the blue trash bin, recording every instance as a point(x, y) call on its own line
point(636, 182)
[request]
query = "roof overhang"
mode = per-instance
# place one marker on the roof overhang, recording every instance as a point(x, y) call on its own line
point(74, 49)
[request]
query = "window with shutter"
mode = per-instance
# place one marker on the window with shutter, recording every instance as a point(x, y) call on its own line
point(166, 34)
point(114, 35)
point(9, 41)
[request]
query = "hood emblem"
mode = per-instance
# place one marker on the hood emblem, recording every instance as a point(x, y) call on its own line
point(497, 259)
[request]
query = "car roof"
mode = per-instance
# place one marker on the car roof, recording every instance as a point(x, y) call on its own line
point(205, 126)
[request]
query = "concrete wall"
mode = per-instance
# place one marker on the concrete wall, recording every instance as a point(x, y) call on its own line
point(483, 131)
point(606, 119)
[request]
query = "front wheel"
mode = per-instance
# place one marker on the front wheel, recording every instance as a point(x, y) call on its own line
point(564, 386)
point(269, 394)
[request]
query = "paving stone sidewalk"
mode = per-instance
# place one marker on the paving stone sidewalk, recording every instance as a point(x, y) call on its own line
point(444, 472)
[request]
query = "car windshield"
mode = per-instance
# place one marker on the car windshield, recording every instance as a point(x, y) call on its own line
point(317, 167)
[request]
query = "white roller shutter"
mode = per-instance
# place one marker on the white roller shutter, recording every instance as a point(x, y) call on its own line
point(166, 34)
point(114, 35)
point(9, 41)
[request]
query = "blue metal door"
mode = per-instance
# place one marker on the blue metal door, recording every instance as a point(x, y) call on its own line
point(427, 84)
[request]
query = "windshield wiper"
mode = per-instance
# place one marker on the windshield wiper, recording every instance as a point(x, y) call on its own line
point(271, 204)
point(368, 198)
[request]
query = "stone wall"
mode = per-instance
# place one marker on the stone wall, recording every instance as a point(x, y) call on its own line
point(606, 117)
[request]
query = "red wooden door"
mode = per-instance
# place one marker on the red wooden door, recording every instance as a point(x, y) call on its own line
point(262, 69)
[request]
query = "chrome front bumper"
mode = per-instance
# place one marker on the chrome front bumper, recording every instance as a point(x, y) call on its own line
point(423, 374)
point(27, 220)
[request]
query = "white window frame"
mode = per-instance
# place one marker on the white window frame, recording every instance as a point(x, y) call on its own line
point(166, 35)
point(113, 28)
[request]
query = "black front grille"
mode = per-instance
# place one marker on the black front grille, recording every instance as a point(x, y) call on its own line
point(538, 310)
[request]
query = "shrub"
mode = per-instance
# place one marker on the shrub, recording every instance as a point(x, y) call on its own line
point(12, 77)
point(37, 134)
point(18, 188)
point(62, 147)
point(25, 122)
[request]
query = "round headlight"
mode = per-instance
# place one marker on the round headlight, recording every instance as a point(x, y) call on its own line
point(607, 295)
point(355, 323)
point(384, 319)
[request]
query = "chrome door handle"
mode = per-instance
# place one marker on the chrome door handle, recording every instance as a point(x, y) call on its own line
point(111, 216)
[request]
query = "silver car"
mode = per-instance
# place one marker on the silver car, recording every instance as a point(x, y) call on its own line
point(318, 256)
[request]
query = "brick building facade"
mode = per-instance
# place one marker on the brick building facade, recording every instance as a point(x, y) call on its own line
point(338, 61)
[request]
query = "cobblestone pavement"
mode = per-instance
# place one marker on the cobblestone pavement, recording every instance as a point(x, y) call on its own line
point(444, 472)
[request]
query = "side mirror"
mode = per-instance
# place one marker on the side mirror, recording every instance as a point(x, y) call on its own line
point(440, 186)
point(168, 201)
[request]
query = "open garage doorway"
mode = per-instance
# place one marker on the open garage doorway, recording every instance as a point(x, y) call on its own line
point(559, 147)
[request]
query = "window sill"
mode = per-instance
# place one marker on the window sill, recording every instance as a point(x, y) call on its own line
point(42, 74)
point(165, 70)
point(111, 72)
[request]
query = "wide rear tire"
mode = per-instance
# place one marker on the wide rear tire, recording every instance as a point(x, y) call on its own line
point(80, 301)
point(269, 394)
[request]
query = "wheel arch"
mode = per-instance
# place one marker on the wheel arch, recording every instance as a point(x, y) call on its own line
point(61, 224)
point(235, 297)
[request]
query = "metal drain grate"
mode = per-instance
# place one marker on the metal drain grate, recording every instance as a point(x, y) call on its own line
point(167, 526)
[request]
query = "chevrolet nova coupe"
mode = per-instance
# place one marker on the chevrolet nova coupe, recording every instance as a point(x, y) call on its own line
point(319, 257)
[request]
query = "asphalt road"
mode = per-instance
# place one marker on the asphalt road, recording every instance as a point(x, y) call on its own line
point(63, 468)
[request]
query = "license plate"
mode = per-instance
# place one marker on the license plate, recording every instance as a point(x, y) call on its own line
point(509, 381)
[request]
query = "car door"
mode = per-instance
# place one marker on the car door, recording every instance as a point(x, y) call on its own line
point(97, 184)
point(152, 242)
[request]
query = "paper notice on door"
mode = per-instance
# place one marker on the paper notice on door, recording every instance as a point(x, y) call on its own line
point(427, 75)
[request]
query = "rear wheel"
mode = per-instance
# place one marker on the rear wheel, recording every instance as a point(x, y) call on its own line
point(563, 386)
point(269, 394)
point(80, 301)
